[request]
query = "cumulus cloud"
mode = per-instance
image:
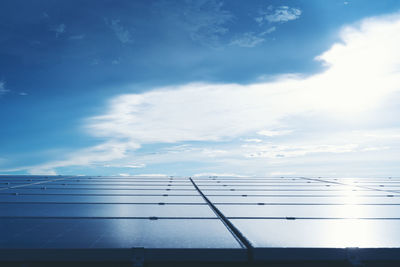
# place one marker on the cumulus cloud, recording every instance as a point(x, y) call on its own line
point(123, 34)
point(280, 14)
point(361, 72)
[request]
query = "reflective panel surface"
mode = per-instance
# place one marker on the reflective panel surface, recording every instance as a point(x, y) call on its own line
point(321, 233)
point(115, 233)
point(179, 212)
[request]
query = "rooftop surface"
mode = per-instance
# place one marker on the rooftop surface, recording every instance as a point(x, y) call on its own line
point(235, 220)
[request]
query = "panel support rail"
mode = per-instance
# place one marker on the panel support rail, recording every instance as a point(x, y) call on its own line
point(235, 232)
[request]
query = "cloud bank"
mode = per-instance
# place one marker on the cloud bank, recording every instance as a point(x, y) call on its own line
point(361, 72)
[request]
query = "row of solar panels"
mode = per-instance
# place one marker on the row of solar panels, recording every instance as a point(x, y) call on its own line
point(166, 215)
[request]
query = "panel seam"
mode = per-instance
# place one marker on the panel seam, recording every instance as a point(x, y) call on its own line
point(243, 241)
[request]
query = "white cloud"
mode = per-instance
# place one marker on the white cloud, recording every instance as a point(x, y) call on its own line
point(284, 151)
point(106, 152)
point(248, 39)
point(270, 133)
point(376, 148)
point(23, 94)
point(268, 31)
point(251, 39)
point(279, 14)
point(380, 134)
point(123, 35)
point(253, 140)
point(132, 166)
point(3, 88)
point(212, 153)
point(361, 72)
point(259, 20)
point(59, 29)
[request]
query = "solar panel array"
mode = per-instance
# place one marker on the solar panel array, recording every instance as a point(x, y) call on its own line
point(231, 214)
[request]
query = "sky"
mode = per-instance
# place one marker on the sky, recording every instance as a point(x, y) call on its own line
point(205, 87)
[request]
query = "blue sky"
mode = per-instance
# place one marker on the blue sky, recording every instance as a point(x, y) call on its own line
point(276, 88)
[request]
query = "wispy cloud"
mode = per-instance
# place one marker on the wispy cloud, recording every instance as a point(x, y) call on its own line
point(77, 37)
point(252, 39)
point(205, 21)
point(3, 89)
point(361, 72)
point(280, 14)
point(103, 153)
point(123, 34)
point(248, 39)
point(268, 31)
point(58, 29)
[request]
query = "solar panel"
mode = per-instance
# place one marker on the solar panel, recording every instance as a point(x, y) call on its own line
point(209, 219)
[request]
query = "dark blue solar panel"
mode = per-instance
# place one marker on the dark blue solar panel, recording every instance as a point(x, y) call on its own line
point(210, 212)
point(115, 233)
